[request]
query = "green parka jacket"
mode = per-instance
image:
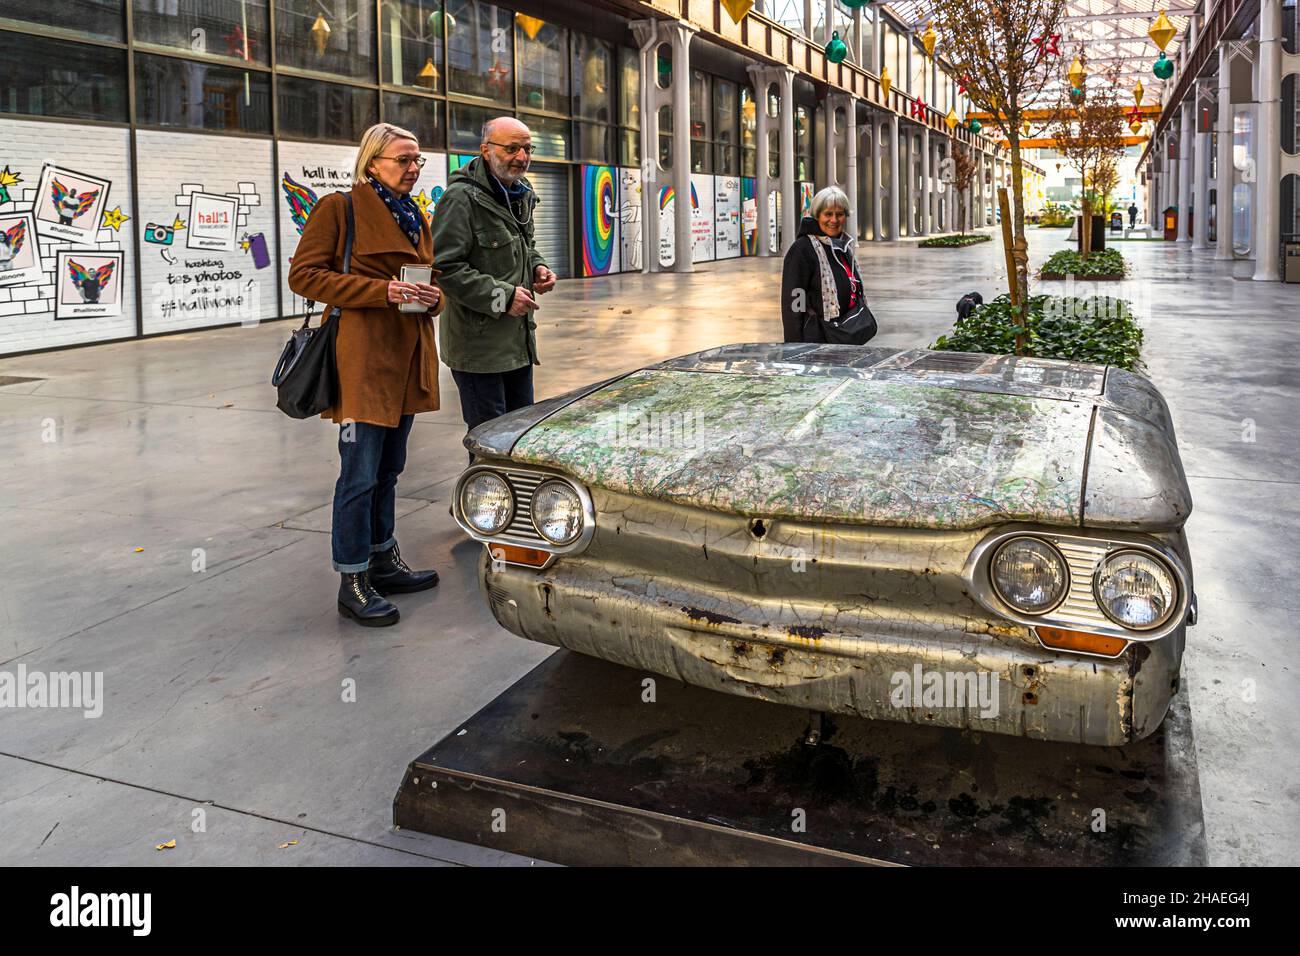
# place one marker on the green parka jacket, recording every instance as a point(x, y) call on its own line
point(482, 253)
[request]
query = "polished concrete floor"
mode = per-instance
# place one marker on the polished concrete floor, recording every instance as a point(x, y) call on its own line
point(225, 686)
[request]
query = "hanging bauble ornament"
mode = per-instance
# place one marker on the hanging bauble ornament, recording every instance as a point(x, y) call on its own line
point(951, 119)
point(885, 83)
point(320, 34)
point(1076, 93)
point(531, 25)
point(737, 9)
point(535, 99)
point(1163, 68)
point(428, 75)
point(1076, 73)
point(975, 125)
point(1025, 127)
point(1135, 127)
point(855, 4)
point(1137, 93)
point(928, 39)
point(837, 49)
point(664, 67)
point(1162, 31)
point(437, 19)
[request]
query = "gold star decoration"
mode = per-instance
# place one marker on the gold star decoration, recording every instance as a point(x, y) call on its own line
point(113, 219)
point(422, 201)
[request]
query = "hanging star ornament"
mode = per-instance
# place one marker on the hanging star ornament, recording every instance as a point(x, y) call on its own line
point(114, 218)
point(1048, 44)
point(918, 109)
point(239, 44)
point(8, 178)
point(497, 75)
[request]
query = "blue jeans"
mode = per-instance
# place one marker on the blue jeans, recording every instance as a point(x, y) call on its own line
point(365, 496)
point(488, 395)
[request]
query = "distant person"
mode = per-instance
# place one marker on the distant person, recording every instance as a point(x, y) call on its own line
point(386, 359)
point(491, 273)
point(822, 295)
point(1132, 215)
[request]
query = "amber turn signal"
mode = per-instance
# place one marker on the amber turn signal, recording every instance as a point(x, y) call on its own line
point(533, 557)
point(1063, 640)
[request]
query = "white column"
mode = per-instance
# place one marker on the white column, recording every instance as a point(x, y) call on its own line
point(1223, 179)
point(851, 161)
point(789, 194)
point(762, 78)
point(828, 139)
point(926, 221)
point(895, 177)
point(681, 33)
point(1268, 159)
point(1185, 135)
point(877, 220)
point(1200, 178)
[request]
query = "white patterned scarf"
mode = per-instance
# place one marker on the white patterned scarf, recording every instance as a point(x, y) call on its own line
point(830, 295)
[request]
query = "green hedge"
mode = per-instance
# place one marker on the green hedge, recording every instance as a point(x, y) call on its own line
point(949, 242)
point(1097, 329)
point(1099, 265)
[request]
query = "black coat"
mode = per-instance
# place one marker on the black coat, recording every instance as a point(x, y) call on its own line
point(802, 272)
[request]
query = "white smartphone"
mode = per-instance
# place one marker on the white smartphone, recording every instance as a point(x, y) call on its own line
point(416, 274)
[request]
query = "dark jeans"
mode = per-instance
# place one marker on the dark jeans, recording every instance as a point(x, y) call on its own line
point(488, 395)
point(366, 493)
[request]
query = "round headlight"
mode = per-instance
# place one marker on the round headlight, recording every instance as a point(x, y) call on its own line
point(557, 512)
point(1030, 575)
point(487, 503)
point(1135, 590)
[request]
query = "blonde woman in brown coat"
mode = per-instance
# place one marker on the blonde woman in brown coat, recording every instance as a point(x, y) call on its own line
point(387, 360)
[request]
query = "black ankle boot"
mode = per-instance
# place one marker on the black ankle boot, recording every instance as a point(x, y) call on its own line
point(360, 601)
point(390, 575)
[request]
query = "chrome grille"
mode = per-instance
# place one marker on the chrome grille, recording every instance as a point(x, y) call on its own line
point(1079, 606)
point(523, 484)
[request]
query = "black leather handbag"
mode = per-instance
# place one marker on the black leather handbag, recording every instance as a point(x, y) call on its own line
point(306, 376)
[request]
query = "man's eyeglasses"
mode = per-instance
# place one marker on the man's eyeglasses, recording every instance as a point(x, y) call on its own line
point(405, 161)
point(513, 148)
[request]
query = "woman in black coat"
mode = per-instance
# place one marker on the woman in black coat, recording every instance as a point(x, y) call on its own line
point(822, 296)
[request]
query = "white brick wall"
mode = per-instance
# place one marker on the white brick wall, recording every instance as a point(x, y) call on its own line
point(27, 322)
point(174, 166)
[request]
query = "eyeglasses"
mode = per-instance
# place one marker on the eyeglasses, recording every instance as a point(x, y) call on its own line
point(405, 161)
point(513, 148)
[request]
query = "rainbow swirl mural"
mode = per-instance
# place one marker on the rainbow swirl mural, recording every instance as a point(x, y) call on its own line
point(599, 212)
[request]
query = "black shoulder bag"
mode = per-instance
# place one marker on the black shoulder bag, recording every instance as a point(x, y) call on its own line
point(306, 376)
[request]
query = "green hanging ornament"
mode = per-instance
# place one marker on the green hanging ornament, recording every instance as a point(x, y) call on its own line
point(1164, 67)
point(535, 99)
point(855, 4)
point(836, 50)
point(975, 125)
point(436, 20)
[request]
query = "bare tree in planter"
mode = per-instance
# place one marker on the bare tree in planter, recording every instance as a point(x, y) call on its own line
point(1090, 138)
point(1003, 51)
point(964, 168)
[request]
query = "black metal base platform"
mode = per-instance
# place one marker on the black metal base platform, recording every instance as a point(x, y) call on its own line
point(570, 765)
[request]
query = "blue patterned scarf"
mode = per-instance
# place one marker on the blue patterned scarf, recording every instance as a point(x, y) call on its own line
point(404, 210)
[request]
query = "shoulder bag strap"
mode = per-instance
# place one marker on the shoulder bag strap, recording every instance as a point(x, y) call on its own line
point(347, 259)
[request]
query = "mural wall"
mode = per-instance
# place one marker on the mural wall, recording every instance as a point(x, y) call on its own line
point(629, 220)
point(748, 217)
point(207, 231)
point(599, 218)
point(701, 217)
point(726, 216)
point(66, 262)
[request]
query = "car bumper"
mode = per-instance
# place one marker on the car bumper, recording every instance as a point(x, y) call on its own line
point(989, 676)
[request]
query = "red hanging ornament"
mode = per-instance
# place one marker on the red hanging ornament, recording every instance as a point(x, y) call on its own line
point(1048, 44)
point(497, 74)
point(918, 109)
point(238, 45)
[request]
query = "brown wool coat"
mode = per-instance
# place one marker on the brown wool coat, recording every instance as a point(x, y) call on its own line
point(387, 360)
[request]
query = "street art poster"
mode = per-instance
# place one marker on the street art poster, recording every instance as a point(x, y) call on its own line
point(629, 219)
point(805, 199)
point(428, 189)
point(88, 283)
point(20, 259)
point(667, 225)
point(68, 204)
point(774, 220)
point(726, 216)
point(701, 217)
point(748, 217)
point(600, 219)
point(214, 222)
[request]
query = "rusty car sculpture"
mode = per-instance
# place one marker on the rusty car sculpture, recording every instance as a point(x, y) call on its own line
point(820, 525)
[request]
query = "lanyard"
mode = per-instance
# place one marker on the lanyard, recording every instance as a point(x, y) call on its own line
point(848, 274)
